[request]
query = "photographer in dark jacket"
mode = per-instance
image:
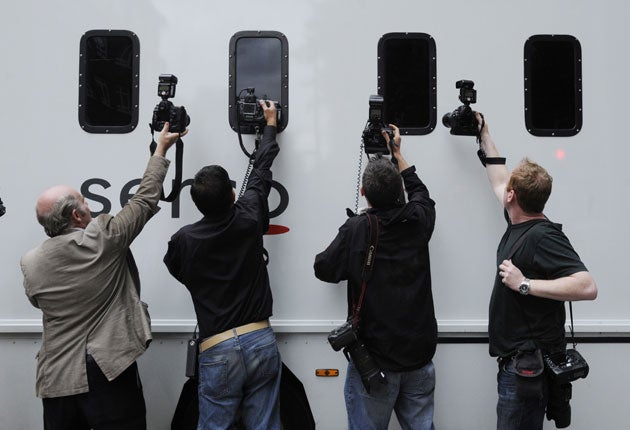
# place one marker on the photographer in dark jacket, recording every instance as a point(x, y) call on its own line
point(396, 320)
point(220, 261)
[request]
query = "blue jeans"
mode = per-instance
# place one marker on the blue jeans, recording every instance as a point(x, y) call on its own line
point(409, 394)
point(243, 371)
point(514, 413)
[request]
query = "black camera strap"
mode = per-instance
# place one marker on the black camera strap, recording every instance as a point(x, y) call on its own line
point(179, 161)
point(368, 265)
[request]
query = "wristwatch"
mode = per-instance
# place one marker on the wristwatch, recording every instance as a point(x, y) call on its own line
point(524, 287)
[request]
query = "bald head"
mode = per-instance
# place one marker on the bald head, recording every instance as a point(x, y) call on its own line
point(60, 207)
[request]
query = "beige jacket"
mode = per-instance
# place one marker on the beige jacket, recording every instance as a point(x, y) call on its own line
point(87, 286)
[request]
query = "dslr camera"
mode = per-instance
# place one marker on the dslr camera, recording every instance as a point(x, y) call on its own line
point(373, 140)
point(346, 337)
point(250, 113)
point(462, 121)
point(165, 111)
point(566, 366)
point(563, 367)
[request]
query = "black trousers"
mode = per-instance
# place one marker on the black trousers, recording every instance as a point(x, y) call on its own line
point(115, 405)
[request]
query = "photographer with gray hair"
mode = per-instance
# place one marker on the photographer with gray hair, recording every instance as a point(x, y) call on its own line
point(390, 309)
point(85, 281)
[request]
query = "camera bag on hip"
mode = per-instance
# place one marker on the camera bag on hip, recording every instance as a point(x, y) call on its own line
point(529, 369)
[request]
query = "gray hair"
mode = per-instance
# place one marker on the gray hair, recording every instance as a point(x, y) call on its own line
point(382, 183)
point(59, 217)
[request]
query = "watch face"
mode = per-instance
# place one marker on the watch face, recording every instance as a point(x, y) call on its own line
point(524, 287)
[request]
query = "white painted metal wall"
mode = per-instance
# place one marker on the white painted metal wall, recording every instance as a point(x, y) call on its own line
point(465, 396)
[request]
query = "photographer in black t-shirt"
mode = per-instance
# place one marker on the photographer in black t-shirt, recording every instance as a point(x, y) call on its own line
point(535, 275)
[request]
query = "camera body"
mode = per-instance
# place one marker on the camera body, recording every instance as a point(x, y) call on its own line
point(462, 120)
point(250, 113)
point(345, 337)
point(563, 367)
point(342, 336)
point(566, 366)
point(373, 140)
point(165, 111)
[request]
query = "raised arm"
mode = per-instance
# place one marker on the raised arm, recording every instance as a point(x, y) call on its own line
point(128, 223)
point(498, 174)
point(395, 148)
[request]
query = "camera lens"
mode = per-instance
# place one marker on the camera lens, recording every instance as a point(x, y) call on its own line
point(446, 120)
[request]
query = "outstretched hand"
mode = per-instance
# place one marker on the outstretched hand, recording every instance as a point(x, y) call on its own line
point(166, 139)
point(269, 111)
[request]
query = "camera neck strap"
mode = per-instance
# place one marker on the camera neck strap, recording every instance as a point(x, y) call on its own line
point(368, 265)
point(179, 160)
point(513, 250)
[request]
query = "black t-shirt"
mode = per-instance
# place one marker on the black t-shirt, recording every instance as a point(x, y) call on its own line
point(397, 320)
point(220, 259)
point(519, 322)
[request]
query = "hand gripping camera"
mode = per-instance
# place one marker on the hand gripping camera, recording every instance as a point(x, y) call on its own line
point(373, 140)
point(250, 113)
point(462, 121)
point(165, 111)
point(345, 337)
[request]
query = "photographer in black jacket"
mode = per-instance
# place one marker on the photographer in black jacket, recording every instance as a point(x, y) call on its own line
point(396, 320)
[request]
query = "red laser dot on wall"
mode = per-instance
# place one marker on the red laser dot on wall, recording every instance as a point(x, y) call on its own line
point(560, 154)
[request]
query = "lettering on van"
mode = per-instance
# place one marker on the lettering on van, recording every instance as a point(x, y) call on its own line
point(92, 190)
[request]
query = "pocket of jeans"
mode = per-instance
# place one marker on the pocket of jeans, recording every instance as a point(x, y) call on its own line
point(213, 379)
point(268, 358)
point(423, 379)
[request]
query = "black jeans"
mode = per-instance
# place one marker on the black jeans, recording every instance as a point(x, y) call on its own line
point(109, 405)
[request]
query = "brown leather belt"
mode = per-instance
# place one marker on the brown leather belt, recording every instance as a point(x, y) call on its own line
point(233, 332)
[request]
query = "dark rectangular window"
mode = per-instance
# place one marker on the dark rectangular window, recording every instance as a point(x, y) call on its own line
point(553, 85)
point(109, 81)
point(407, 81)
point(259, 61)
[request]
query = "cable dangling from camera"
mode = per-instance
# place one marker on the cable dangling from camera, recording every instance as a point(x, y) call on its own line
point(252, 156)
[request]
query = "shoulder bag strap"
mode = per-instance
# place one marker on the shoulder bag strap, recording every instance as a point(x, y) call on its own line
point(368, 265)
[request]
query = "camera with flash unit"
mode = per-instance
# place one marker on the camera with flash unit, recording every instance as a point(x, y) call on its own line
point(165, 111)
point(462, 121)
point(373, 140)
